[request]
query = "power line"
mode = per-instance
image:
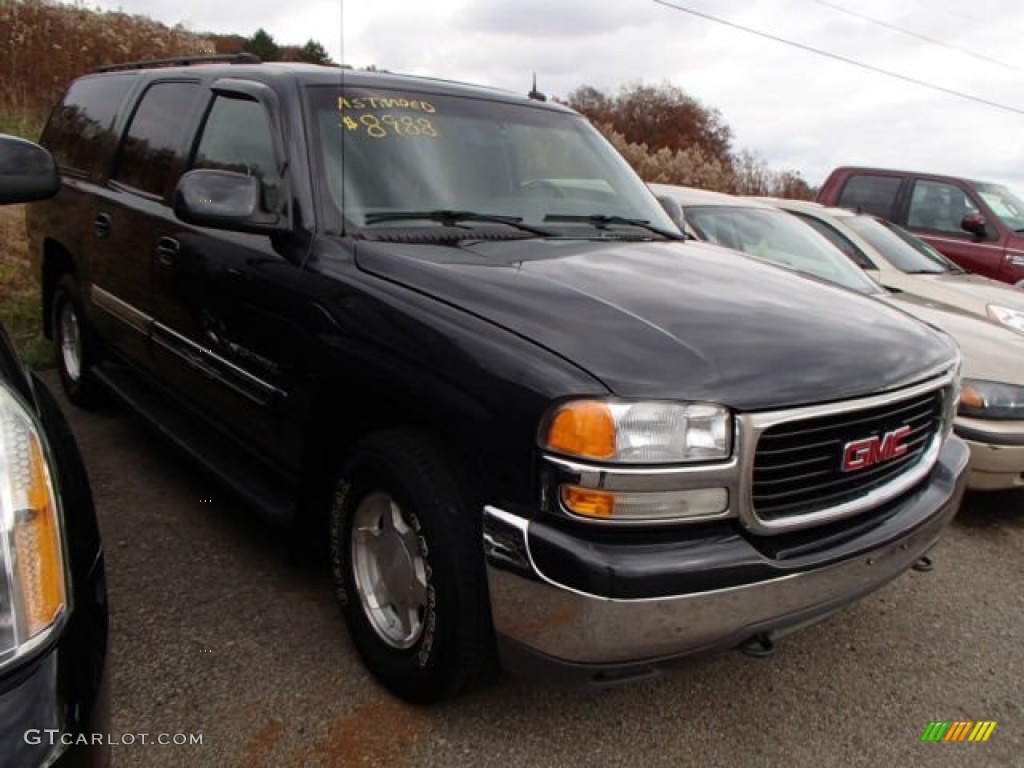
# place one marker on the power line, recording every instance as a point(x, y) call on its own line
point(844, 59)
point(933, 6)
point(973, 21)
point(917, 35)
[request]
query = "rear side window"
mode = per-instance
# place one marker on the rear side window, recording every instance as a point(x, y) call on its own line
point(155, 136)
point(871, 194)
point(80, 130)
point(238, 137)
point(939, 206)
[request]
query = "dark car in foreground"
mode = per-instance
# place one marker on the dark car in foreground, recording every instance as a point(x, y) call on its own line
point(53, 609)
point(447, 332)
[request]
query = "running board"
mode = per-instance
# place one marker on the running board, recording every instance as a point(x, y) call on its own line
point(245, 476)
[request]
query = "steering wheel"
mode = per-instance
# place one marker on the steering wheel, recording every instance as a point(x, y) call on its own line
point(543, 185)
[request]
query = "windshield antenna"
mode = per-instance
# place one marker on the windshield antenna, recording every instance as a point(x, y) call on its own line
point(534, 93)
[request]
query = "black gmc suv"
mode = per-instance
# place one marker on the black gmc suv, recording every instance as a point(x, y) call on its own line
point(448, 330)
point(53, 598)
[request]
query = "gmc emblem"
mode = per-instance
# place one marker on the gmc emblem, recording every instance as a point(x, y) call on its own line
point(861, 454)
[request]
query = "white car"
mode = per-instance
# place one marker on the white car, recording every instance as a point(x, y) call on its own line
point(903, 262)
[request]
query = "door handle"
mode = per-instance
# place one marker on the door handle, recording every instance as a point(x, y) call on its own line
point(101, 225)
point(166, 251)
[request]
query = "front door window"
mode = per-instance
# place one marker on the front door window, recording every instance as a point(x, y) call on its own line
point(939, 206)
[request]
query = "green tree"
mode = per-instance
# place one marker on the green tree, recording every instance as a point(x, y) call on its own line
point(314, 53)
point(263, 45)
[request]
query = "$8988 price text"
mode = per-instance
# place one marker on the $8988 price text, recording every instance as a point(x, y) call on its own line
point(382, 126)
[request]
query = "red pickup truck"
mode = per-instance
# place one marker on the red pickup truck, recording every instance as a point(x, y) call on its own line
point(979, 225)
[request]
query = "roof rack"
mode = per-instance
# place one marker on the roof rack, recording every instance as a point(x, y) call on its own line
point(184, 61)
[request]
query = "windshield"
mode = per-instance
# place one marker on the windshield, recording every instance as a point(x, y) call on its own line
point(394, 159)
point(779, 238)
point(900, 248)
point(1004, 204)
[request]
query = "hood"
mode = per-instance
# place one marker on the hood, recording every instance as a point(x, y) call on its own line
point(672, 320)
point(960, 289)
point(990, 352)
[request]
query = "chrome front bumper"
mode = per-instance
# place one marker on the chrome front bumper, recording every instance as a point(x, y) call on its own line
point(561, 624)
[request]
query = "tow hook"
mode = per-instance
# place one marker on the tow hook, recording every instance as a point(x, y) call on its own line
point(760, 646)
point(925, 564)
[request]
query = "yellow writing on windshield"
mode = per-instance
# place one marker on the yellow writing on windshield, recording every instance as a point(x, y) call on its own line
point(382, 126)
point(384, 102)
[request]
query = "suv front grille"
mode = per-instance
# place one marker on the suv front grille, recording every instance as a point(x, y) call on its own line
point(798, 465)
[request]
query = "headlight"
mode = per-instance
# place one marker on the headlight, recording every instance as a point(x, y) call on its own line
point(991, 400)
point(33, 591)
point(1011, 318)
point(639, 433)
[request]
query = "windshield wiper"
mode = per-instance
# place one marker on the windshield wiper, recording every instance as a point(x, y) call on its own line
point(454, 218)
point(601, 221)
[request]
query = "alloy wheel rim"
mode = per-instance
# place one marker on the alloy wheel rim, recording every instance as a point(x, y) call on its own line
point(70, 342)
point(389, 569)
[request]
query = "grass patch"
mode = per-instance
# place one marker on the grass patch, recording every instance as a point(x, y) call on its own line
point(25, 126)
point(20, 302)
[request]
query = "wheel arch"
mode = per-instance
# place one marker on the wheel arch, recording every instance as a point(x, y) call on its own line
point(334, 431)
point(57, 261)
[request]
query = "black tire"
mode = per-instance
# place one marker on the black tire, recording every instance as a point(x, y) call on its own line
point(454, 650)
point(78, 381)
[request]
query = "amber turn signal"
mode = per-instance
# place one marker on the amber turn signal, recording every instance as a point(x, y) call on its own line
point(38, 547)
point(583, 428)
point(588, 503)
point(970, 398)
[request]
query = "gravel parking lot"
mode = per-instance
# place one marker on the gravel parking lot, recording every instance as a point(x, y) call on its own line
point(216, 631)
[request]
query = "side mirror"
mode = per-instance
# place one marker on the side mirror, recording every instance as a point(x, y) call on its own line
point(674, 211)
point(27, 171)
point(223, 200)
point(975, 224)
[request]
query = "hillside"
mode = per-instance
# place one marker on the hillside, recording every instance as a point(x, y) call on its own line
point(45, 45)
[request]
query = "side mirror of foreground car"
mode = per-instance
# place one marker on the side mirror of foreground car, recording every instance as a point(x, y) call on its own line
point(27, 171)
point(223, 200)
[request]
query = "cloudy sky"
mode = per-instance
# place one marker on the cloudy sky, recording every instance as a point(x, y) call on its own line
point(795, 109)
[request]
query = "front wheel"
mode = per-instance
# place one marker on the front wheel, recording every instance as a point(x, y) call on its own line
point(408, 567)
point(75, 345)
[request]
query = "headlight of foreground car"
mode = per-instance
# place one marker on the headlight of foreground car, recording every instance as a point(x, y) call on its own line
point(991, 400)
point(1011, 318)
point(641, 433)
point(33, 589)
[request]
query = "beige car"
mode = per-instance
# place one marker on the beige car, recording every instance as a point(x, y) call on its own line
point(991, 415)
point(903, 262)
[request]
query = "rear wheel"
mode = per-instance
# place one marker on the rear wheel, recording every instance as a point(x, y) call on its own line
point(408, 567)
point(75, 345)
